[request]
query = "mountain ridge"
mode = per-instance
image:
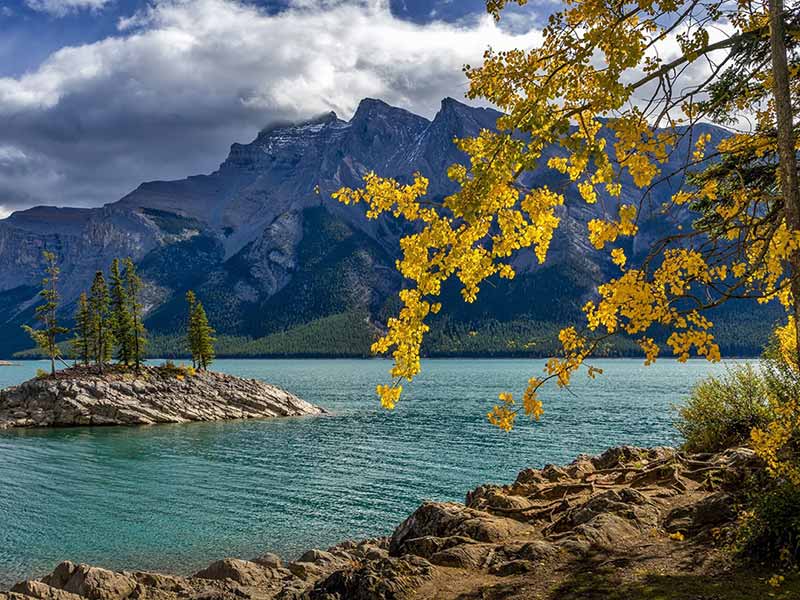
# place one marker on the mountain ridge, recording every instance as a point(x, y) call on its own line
point(267, 253)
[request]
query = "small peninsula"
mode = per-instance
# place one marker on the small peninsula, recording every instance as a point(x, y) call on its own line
point(81, 396)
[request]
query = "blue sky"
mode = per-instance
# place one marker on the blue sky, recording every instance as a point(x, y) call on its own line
point(97, 96)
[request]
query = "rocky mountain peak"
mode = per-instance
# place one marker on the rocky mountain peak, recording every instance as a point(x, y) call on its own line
point(370, 109)
point(469, 119)
point(267, 253)
point(326, 118)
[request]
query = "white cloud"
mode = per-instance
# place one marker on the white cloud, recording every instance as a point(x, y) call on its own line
point(186, 78)
point(60, 8)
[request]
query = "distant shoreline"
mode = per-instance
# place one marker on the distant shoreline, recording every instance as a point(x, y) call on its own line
point(17, 361)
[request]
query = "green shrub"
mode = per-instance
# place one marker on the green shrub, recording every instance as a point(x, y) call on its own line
point(782, 379)
point(770, 530)
point(180, 371)
point(722, 411)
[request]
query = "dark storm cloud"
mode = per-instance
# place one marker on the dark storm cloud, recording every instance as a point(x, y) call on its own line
point(165, 96)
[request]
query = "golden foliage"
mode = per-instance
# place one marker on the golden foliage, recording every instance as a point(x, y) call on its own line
point(575, 92)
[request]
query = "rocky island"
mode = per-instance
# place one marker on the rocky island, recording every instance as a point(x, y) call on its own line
point(628, 524)
point(167, 394)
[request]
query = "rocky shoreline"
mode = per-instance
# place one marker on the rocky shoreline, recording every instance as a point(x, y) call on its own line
point(630, 523)
point(81, 397)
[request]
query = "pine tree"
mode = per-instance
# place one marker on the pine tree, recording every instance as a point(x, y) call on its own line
point(139, 333)
point(200, 335)
point(45, 337)
point(204, 336)
point(102, 335)
point(121, 319)
point(191, 330)
point(82, 342)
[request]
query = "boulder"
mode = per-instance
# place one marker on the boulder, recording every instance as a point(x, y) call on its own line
point(386, 579)
point(90, 582)
point(163, 583)
point(241, 571)
point(61, 574)
point(537, 550)
point(269, 560)
point(625, 504)
point(37, 589)
point(447, 519)
point(607, 532)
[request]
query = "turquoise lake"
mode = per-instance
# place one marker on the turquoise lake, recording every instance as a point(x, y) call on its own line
point(176, 497)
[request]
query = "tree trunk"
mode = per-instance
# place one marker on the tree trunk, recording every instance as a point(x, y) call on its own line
point(136, 350)
point(786, 145)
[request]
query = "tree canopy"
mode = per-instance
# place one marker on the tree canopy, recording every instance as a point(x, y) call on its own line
point(611, 92)
point(46, 337)
point(101, 321)
point(199, 334)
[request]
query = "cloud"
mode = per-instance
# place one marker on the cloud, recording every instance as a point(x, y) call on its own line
point(60, 8)
point(181, 81)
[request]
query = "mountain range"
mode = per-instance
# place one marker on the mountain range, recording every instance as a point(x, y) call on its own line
point(284, 270)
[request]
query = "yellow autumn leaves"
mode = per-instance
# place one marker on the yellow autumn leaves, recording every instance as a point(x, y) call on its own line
point(467, 237)
point(504, 415)
point(571, 106)
point(777, 440)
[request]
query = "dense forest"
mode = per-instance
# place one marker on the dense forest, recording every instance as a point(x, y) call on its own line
point(350, 335)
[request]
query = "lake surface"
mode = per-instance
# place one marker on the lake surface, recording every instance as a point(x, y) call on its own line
point(176, 497)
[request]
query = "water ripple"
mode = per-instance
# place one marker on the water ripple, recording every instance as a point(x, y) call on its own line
point(175, 497)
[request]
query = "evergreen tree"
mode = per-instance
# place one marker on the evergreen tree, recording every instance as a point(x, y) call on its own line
point(45, 337)
point(82, 342)
point(204, 335)
point(138, 333)
point(191, 333)
point(102, 335)
point(200, 334)
point(121, 319)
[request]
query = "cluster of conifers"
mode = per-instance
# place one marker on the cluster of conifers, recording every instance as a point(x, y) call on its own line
point(109, 320)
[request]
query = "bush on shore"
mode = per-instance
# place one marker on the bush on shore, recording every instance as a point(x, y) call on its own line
point(760, 408)
point(722, 411)
point(769, 528)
